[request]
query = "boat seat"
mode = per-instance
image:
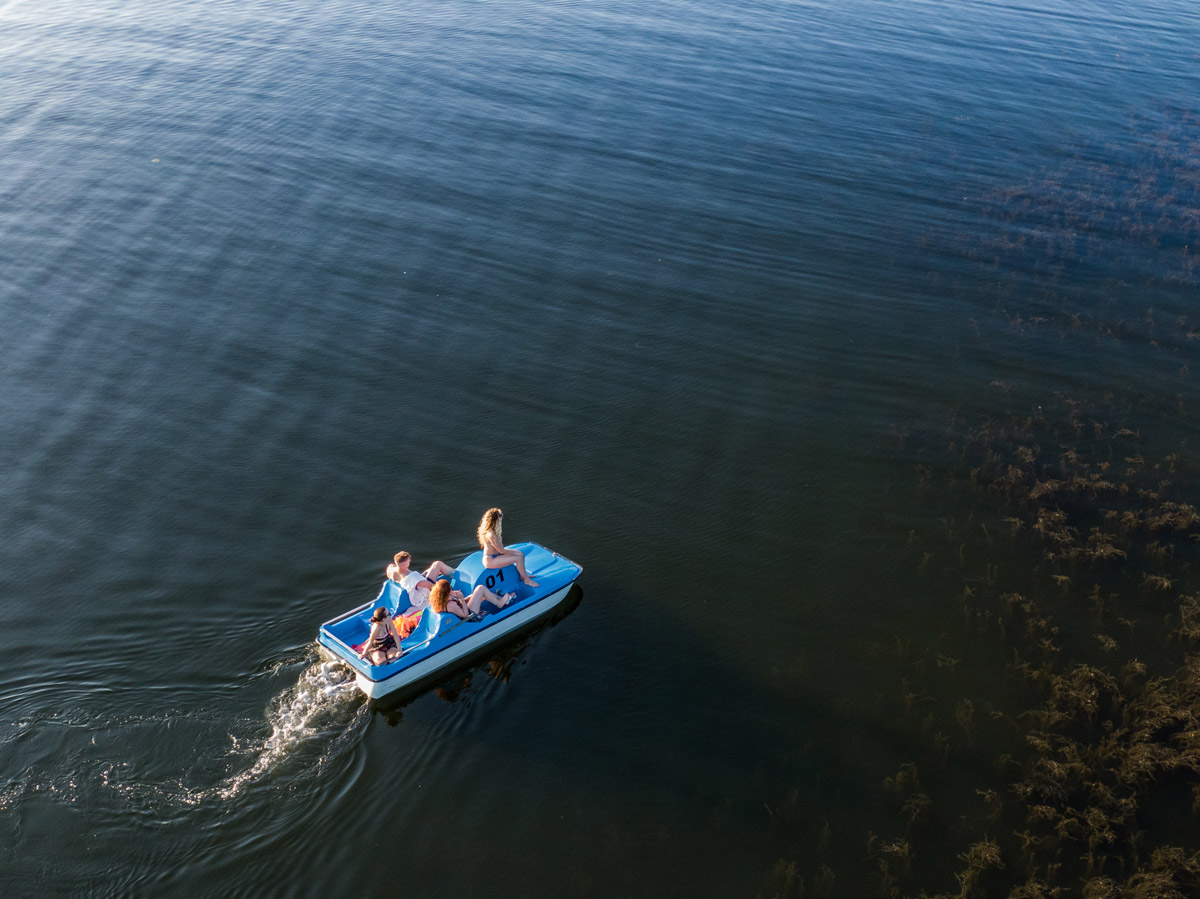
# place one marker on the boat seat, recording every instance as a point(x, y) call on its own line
point(431, 624)
point(471, 573)
point(354, 630)
point(393, 596)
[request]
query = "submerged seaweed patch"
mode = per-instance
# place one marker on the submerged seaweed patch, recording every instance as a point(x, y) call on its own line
point(1084, 570)
point(1053, 732)
point(1069, 547)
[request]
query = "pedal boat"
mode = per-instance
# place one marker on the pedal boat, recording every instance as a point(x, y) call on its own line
point(441, 640)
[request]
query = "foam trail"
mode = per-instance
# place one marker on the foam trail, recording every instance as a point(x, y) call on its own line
point(315, 707)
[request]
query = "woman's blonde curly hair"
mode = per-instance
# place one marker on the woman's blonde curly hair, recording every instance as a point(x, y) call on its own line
point(489, 522)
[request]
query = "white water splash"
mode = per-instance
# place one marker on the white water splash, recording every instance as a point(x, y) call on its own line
point(69, 752)
point(317, 706)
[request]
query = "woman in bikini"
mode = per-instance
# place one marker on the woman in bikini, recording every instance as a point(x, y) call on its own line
point(495, 553)
point(383, 643)
point(443, 599)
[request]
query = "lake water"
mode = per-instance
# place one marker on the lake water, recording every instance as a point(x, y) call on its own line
point(714, 299)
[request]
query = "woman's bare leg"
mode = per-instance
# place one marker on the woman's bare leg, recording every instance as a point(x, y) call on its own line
point(510, 557)
point(482, 594)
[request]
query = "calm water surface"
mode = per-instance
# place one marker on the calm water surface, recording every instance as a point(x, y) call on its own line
point(690, 289)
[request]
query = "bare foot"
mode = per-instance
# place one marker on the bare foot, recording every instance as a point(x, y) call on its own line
point(506, 599)
point(530, 582)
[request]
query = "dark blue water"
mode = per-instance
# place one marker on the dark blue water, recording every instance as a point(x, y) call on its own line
point(689, 289)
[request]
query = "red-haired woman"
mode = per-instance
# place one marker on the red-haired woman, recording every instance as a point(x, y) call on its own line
point(444, 599)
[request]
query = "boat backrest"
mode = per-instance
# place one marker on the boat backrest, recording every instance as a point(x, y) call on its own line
point(393, 596)
point(431, 624)
point(353, 629)
point(471, 573)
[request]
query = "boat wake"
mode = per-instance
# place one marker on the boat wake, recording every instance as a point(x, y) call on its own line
point(315, 713)
point(56, 747)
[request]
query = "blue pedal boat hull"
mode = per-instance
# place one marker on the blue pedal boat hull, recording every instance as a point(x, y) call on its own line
point(425, 655)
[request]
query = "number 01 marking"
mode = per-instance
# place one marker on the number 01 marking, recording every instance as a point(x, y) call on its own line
point(492, 578)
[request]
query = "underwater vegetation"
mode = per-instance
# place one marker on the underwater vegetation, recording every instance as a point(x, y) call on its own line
point(1053, 735)
point(1071, 556)
point(1065, 246)
point(1086, 576)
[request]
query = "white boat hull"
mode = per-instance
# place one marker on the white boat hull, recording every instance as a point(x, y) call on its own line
point(440, 640)
point(448, 657)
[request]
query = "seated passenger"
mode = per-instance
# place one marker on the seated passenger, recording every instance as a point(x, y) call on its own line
point(417, 584)
point(383, 643)
point(443, 599)
point(495, 553)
